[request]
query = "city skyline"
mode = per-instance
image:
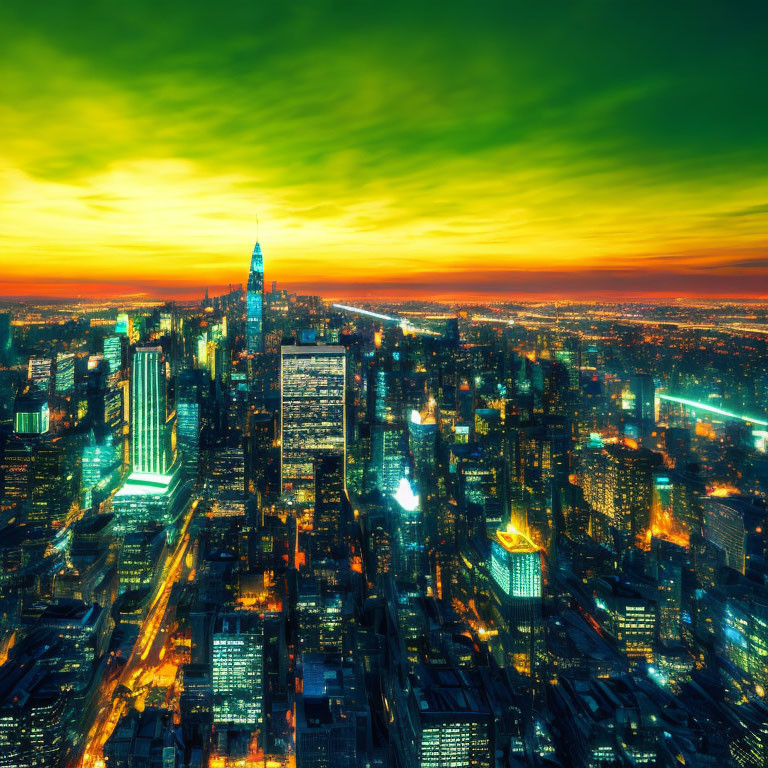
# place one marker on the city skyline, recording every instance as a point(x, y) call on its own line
point(383, 385)
point(388, 152)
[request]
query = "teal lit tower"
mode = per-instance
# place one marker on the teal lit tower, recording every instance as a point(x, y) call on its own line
point(150, 439)
point(254, 327)
point(516, 599)
point(153, 492)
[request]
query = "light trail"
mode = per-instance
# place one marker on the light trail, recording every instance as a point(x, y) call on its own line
point(712, 409)
point(112, 709)
point(403, 322)
point(367, 312)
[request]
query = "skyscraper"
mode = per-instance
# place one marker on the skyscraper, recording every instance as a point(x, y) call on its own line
point(516, 591)
point(113, 354)
point(329, 492)
point(30, 414)
point(254, 331)
point(237, 671)
point(313, 423)
point(6, 337)
point(65, 374)
point(39, 372)
point(189, 386)
point(151, 493)
point(642, 387)
point(453, 722)
point(150, 433)
point(408, 526)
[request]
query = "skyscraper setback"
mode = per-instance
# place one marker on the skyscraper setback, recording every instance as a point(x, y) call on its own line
point(254, 324)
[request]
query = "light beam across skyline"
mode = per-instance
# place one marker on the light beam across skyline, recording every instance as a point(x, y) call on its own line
point(488, 149)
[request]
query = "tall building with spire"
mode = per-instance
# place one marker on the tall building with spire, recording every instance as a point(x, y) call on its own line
point(254, 324)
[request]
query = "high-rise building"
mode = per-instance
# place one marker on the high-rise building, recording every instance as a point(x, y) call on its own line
point(724, 526)
point(237, 672)
point(140, 558)
point(408, 526)
point(331, 712)
point(629, 617)
point(113, 354)
point(150, 431)
point(65, 374)
point(454, 724)
point(642, 387)
point(516, 589)
point(53, 482)
point(6, 338)
point(329, 493)
point(254, 324)
point(188, 394)
point(30, 414)
point(99, 468)
point(313, 423)
point(389, 450)
point(617, 482)
point(39, 372)
point(152, 494)
point(227, 473)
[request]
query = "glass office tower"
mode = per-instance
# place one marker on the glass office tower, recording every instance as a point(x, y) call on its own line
point(237, 671)
point(312, 386)
point(254, 330)
point(150, 443)
point(516, 597)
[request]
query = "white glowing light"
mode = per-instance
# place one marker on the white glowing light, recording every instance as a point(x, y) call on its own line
point(405, 496)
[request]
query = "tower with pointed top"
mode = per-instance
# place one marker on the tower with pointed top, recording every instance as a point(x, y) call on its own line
point(254, 323)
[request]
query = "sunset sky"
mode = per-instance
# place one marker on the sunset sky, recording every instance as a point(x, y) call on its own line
point(388, 148)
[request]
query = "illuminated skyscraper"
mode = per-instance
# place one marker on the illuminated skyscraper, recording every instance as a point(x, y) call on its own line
point(99, 467)
point(617, 483)
point(389, 456)
point(516, 588)
point(6, 337)
point(30, 414)
point(254, 330)
point(39, 372)
point(453, 724)
point(724, 526)
point(65, 374)
point(151, 493)
point(113, 354)
point(188, 389)
point(150, 433)
point(313, 423)
point(408, 526)
point(238, 671)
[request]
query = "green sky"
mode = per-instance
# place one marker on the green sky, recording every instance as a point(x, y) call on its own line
point(441, 148)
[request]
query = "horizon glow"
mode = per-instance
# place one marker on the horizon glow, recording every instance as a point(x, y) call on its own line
point(506, 150)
